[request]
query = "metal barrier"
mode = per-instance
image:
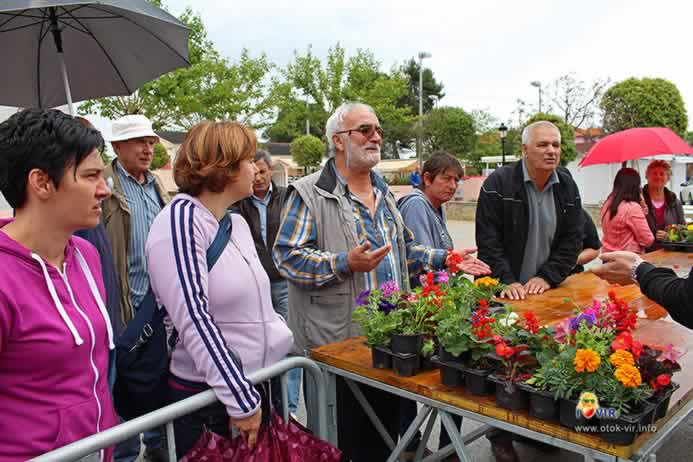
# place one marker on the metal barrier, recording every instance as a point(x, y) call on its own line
point(166, 415)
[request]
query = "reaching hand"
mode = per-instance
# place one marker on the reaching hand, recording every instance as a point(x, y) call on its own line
point(660, 235)
point(617, 267)
point(362, 260)
point(248, 426)
point(514, 291)
point(536, 285)
point(469, 264)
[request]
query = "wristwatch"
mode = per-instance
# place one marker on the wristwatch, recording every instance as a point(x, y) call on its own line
point(634, 269)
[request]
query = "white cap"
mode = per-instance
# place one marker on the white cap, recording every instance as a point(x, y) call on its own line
point(131, 126)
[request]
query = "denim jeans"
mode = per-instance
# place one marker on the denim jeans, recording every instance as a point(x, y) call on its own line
point(280, 303)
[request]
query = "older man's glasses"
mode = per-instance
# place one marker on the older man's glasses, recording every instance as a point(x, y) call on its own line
point(366, 130)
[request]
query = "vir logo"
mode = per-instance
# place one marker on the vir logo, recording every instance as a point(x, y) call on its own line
point(588, 407)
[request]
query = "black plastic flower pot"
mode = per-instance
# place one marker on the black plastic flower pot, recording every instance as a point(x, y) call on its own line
point(444, 355)
point(571, 417)
point(406, 365)
point(451, 376)
point(623, 430)
point(406, 344)
point(509, 395)
point(476, 381)
point(542, 404)
point(662, 402)
point(381, 358)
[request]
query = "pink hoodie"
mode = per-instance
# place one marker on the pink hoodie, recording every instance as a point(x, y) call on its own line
point(628, 230)
point(54, 342)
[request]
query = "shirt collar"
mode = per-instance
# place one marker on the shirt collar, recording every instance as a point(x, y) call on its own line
point(376, 180)
point(553, 179)
point(148, 177)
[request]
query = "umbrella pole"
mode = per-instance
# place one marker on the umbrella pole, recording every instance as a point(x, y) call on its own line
point(66, 82)
point(58, 39)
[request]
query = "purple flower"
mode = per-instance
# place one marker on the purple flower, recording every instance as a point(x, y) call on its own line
point(442, 277)
point(388, 288)
point(386, 307)
point(362, 299)
point(589, 318)
point(422, 279)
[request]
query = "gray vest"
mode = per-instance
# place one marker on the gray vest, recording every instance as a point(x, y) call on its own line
point(322, 315)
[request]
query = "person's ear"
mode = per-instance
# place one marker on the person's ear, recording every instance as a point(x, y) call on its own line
point(427, 179)
point(338, 143)
point(40, 184)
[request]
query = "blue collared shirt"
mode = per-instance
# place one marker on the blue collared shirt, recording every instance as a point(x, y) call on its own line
point(144, 204)
point(261, 206)
point(299, 260)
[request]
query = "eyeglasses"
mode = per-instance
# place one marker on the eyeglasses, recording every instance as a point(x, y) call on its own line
point(366, 130)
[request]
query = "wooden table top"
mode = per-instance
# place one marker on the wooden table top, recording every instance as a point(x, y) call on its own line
point(354, 356)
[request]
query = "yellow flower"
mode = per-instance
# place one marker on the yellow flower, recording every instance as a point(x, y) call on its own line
point(486, 281)
point(586, 360)
point(621, 358)
point(629, 376)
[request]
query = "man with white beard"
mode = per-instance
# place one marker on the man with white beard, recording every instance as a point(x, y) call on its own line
point(341, 235)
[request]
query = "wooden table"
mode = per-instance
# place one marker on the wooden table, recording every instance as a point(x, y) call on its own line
point(351, 359)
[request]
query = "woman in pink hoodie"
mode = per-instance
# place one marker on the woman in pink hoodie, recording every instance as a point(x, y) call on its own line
point(54, 330)
point(624, 213)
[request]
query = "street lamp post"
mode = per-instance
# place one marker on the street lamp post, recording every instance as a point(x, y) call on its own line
point(419, 148)
point(537, 84)
point(502, 131)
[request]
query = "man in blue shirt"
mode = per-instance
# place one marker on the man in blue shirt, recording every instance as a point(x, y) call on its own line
point(415, 178)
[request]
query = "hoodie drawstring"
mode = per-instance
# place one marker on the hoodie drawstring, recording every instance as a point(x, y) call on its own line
point(56, 301)
point(97, 296)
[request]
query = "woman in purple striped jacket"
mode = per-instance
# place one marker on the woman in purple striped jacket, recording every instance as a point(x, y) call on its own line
point(224, 317)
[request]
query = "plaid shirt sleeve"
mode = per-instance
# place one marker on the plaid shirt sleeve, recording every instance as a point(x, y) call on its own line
point(295, 251)
point(420, 258)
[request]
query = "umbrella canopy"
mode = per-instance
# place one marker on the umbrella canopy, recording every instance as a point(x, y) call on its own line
point(106, 47)
point(635, 143)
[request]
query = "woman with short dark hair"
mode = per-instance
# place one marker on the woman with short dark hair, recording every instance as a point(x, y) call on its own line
point(54, 330)
point(623, 215)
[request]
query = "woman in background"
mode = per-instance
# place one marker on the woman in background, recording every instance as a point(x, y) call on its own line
point(664, 208)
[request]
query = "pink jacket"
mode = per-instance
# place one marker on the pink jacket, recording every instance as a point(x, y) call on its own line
point(216, 313)
point(54, 340)
point(628, 230)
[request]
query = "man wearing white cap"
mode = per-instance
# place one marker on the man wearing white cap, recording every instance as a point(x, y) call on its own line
point(137, 197)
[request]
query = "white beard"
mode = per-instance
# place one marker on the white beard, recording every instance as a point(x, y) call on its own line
point(360, 158)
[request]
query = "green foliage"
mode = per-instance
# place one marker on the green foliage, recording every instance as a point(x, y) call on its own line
point(568, 149)
point(450, 129)
point(307, 151)
point(160, 157)
point(432, 89)
point(489, 144)
point(595, 338)
point(647, 102)
point(377, 326)
point(454, 330)
point(211, 88)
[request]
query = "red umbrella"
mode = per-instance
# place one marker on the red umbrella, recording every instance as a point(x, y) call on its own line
point(635, 143)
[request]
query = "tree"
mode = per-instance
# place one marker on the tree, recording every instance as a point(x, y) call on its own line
point(210, 88)
point(313, 90)
point(568, 149)
point(160, 157)
point(307, 151)
point(644, 103)
point(432, 89)
point(576, 101)
point(450, 129)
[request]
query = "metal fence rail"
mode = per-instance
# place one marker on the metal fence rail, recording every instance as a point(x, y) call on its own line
point(167, 414)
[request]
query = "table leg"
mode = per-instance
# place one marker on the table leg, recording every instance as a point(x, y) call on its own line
point(427, 434)
point(455, 436)
point(331, 407)
point(409, 434)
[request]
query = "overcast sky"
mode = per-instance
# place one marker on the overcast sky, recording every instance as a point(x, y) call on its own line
point(484, 52)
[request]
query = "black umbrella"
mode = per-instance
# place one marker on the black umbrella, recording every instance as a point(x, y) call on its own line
point(107, 47)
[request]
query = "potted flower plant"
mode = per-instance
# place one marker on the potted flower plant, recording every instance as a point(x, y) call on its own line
point(657, 366)
point(373, 314)
point(479, 366)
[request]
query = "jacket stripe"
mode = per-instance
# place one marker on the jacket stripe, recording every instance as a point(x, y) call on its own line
point(198, 312)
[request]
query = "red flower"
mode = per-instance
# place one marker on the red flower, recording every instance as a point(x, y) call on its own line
point(612, 295)
point(623, 341)
point(483, 303)
point(531, 322)
point(452, 261)
point(663, 380)
point(504, 351)
point(636, 349)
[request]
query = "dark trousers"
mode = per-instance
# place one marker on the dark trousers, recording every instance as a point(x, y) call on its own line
point(358, 438)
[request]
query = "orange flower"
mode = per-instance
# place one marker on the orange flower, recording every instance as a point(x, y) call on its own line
point(621, 358)
point(629, 376)
point(586, 360)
